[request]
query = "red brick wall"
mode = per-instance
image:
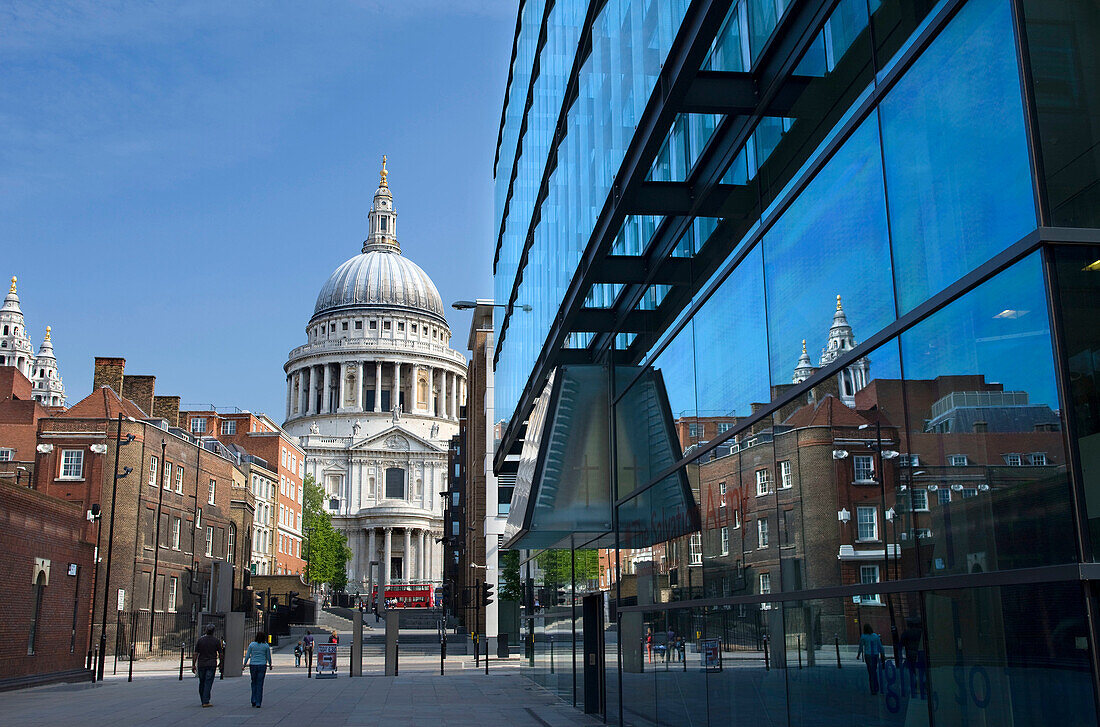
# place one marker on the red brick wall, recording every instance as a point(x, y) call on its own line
point(34, 525)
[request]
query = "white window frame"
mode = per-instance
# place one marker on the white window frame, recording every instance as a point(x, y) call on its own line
point(958, 460)
point(154, 469)
point(786, 478)
point(865, 572)
point(765, 582)
point(763, 481)
point(736, 519)
point(861, 512)
point(72, 464)
point(943, 496)
point(173, 589)
point(176, 527)
point(1014, 460)
point(724, 534)
point(863, 464)
point(763, 536)
point(198, 425)
point(695, 549)
point(229, 426)
point(6, 454)
point(209, 541)
point(167, 475)
point(1039, 459)
point(213, 492)
point(919, 494)
point(179, 479)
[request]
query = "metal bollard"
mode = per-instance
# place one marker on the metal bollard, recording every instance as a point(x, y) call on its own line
point(130, 675)
point(442, 653)
point(182, 647)
point(800, 651)
point(397, 658)
point(836, 639)
point(767, 664)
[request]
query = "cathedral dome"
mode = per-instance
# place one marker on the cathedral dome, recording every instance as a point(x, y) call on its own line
point(379, 277)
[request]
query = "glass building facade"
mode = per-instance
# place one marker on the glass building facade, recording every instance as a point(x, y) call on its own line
point(802, 339)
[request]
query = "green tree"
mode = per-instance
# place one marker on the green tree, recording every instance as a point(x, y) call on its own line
point(559, 566)
point(326, 548)
point(509, 576)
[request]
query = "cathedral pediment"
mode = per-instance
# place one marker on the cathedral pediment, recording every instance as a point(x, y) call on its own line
point(396, 439)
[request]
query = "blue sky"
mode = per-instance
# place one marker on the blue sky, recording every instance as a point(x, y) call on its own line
point(178, 179)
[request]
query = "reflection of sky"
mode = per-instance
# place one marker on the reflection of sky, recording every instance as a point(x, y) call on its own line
point(677, 364)
point(999, 329)
point(956, 154)
point(831, 241)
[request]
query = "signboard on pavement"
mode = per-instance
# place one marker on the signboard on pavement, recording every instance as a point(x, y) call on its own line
point(326, 660)
point(710, 653)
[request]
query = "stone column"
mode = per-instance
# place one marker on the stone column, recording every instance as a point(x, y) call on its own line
point(431, 390)
point(361, 386)
point(452, 381)
point(302, 395)
point(377, 385)
point(387, 548)
point(372, 551)
point(425, 561)
point(341, 385)
point(289, 393)
point(326, 396)
point(312, 390)
point(396, 385)
point(406, 558)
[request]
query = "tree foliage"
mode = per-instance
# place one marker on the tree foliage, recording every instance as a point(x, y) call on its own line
point(326, 549)
point(510, 589)
point(559, 566)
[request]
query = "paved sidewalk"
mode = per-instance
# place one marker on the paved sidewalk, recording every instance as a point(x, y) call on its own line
point(461, 699)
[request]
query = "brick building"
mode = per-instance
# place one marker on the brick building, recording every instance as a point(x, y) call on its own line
point(258, 435)
point(170, 472)
point(47, 575)
point(19, 415)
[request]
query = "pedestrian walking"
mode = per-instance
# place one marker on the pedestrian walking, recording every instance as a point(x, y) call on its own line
point(670, 644)
point(204, 662)
point(298, 655)
point(307, 645)
point(335, 638)
point(870, 648)
point(258, 661)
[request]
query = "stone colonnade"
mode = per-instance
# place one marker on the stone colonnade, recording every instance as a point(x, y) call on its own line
point(356, 386)
point(417, 549)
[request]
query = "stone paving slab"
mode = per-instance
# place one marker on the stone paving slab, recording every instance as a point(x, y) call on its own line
point(460, 698)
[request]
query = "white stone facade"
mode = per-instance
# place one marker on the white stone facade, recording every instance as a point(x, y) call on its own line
point(374, 398)
point(17, 350)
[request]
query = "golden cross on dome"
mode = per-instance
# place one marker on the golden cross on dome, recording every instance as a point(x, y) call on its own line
point(47, 333)
point(12, 284)
point(838, 303)
point(384, 172)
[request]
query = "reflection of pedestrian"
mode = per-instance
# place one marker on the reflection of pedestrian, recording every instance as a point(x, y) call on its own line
point(298, 655)
point(670, 644)
point(683, 648)
point(258, 661)
point(204, 662)
point(870, 648)
point(649, 644)
point(910, 648)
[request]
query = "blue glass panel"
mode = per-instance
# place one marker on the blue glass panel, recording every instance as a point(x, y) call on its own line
point(831, 241)
point(730, 50)
point(732, 352)
point(957, 171)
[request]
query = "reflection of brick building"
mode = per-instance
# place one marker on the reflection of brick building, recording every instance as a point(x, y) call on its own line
point(19, 415)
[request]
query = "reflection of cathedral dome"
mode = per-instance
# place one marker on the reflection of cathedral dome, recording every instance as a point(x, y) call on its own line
point(379, 278)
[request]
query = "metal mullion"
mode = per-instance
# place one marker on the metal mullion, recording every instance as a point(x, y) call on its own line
point(1031, 115)
point(1062, 573)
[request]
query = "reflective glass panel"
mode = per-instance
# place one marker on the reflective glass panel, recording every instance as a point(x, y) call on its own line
point(827, 259)
point(984, 449)
point(953, 117)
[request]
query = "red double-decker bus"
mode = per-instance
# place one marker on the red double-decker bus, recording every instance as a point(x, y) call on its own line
point(408, 595)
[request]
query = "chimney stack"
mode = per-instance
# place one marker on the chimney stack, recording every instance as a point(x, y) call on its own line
point(140, 390)
point(168, 408)
point(108, 372)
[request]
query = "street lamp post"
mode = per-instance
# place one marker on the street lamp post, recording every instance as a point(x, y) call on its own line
point(94, 514)
point(110, 545)
point(156, 547)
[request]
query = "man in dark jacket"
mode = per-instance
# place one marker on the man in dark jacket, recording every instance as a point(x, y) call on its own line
point(204, 662)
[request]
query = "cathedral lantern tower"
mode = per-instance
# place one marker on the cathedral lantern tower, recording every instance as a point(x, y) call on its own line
point(48, 387)
point(15, 347)
point(841, 341)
